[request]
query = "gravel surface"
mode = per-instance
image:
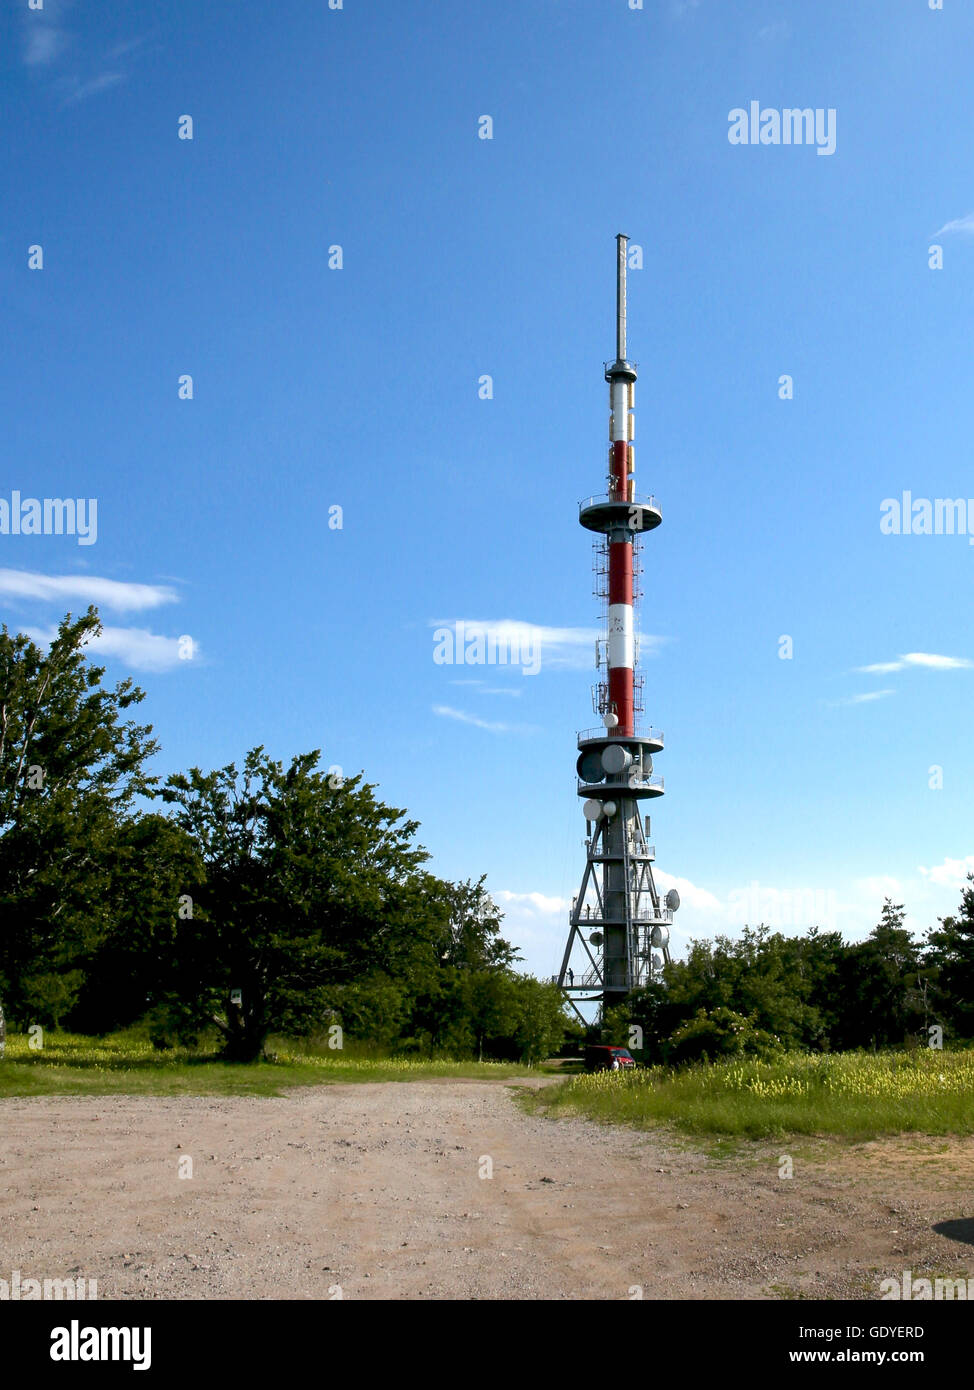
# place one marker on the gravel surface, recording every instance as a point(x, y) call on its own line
point(376, 1192)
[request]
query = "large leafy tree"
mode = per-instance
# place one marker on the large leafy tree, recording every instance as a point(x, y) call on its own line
point(469, 999)
point(71, 770)
point(309, 882)
point(878, 983)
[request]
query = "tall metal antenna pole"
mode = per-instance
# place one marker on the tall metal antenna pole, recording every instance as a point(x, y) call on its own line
point(622, 243)
point(619, 923)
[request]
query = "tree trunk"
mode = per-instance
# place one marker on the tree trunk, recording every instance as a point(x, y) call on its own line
point(244, 1036)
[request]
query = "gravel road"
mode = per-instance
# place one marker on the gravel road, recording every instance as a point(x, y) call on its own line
point(380, 1191)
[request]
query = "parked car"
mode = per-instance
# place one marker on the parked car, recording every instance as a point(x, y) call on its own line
point(602, 1057)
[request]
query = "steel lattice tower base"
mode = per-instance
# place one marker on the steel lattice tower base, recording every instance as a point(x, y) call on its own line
point(619, 922)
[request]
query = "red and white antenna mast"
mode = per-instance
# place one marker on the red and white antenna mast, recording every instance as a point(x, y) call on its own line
point(619, 925)
point(621, 376)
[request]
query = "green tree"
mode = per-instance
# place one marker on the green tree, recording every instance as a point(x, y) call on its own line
point(472, 940)
point(154, 882)
point(373, 1010)
point(652, 1011)
point(881, 1000)
point(71, 770)
point(541, 1019)
point(491, 1001)
point(950, 956)
point(307, 886)
point(819, 958)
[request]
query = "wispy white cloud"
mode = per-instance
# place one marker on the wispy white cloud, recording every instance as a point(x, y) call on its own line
point(44, 33)
point(68, 588)
point(936, 663)
point(482, 689)
point(73, 89)
point(119, 50)
point(701, 899)
point(133, 646)
point(965, 225)
point(864, 699)
point(537, 924)
point(492, 726)
point(535, 904)
point(517, 643)
point(44, 43)
point(556, 647)
point(46, 39)
point(952, 872)
point(931, 660)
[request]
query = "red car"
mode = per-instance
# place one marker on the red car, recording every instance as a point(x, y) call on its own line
point(605, 1058)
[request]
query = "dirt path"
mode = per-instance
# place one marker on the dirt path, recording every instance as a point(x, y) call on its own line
point(375, 1189)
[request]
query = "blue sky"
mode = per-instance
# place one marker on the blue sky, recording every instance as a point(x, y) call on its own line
point(358, 388)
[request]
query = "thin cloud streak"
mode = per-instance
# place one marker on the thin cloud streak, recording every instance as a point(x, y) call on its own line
point(45, 41)
point(559, 647)
point(127, 46)
point(133, 646)
point(930, 660)
point(863, 699)
point(936, 663)
point(74, 90)
point(493, 727)
point(65, 588)
point(965, 225)
point(482, 689)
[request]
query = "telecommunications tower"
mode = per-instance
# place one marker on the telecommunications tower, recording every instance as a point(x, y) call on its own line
point(620, 927)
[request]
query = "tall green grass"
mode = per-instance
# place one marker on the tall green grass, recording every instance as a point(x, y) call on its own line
point(854, 1094)
point(127, 1064)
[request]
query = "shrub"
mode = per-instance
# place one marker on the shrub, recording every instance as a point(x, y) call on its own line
point(720, 1033)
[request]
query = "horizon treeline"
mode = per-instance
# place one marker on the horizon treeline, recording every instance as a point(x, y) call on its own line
point(765, 993)
point(277, 898)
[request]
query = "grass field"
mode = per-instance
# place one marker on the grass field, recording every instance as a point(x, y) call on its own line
point(128, 1064)
point(858, 1095)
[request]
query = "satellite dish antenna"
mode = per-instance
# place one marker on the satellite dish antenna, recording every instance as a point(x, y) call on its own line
point(616, 759)
point(592, 809)
point(610, 720)
point(596, 938)
point(590, 767)
point(660, 936)
point(657, 961)
point(609, 808)
point(673, 900)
